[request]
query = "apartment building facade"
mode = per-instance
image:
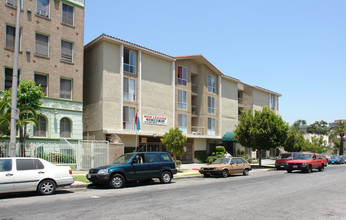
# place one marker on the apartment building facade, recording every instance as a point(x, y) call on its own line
point(123, 80)
point(51, 54)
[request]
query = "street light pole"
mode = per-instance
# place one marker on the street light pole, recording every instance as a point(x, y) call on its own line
point(14, 85)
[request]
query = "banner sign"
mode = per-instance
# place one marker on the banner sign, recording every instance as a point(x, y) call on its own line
point(154, 120)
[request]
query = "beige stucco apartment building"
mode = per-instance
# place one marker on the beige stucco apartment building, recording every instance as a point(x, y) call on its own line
point(122, 80)
point(51, 54)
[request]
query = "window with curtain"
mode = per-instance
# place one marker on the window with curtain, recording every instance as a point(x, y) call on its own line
point(182, 76)
point(182, 122)
point(10, 37)
point(129, 114)
point(65, 88)
point(9, 78)
point(42, 7)
point(41, 129)
point(65, 127)
point(13, 3)
point(211, 105)
point(129, 89)
point(211, 84)
point(182, 99)
point(130, 62)
point(43, 81)
point(42, 45)
point(66, 51)
point(211, 126)
point(67, 14)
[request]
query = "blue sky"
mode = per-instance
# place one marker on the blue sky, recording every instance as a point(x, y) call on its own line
point(294, 47)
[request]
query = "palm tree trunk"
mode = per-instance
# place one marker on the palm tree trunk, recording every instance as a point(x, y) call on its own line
point(21, 140)
point(341, 149)
point(260, 158)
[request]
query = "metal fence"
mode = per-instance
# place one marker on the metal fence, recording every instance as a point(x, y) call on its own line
point(81, 156)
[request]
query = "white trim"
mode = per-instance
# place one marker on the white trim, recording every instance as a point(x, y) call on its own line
point(220, 104)
point(173, 97)
point(121, 85)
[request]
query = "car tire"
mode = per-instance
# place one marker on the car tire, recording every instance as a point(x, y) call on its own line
point(246, 172)
point(117, 181)
point(321, 168)
point(309, 169)
point(206, 175)
point(46, 187)
point(224, 173)
point(166, 177)
point(289, 171)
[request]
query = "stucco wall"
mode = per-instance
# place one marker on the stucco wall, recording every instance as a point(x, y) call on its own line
point(260, 99)
point(229, 105)
point(200, 144)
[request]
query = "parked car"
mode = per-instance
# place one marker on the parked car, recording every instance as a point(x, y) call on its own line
point(226, 166)
point(305, 162)
point(336, 160)
point(134, 166)
point(282, 159)
point(32, 174)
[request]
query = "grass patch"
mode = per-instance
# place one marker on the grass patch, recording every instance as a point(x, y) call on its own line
point(80, 178)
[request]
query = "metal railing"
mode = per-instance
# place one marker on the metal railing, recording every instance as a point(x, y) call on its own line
point(194, 110)
point(197, 130)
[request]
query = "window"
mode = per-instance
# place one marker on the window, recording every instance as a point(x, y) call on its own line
point(182, 76)
point(41, 129)
point(42, 8)
point(67, 14)
point(152, 158)
point(8, 78)
point(166, 157)
point(211, 126)
point(129, 114)
point(65, 127)
point(129, 89)
point(130, 61)
point(182, 122)
point(65, 88)
point(272, 101)
point(182, 99)
point(66, 51)
point(43, 81)
point(211, 84)
point(5, 165)
point(10, 37)
point(42, 45)
point(29, 164)
point(211, 105)
point(13, 3)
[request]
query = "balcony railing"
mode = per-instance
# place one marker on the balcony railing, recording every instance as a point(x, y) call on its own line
point(240, 101)
point(194, 110)
point(197, 130)
point(194, 88)
point(128, 125)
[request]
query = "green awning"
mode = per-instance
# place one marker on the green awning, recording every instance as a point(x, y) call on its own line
point(228, 136)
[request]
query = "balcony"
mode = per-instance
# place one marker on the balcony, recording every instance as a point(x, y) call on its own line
point(197, 130)
point(240, 102)
point(194, 111)
point(194, 89)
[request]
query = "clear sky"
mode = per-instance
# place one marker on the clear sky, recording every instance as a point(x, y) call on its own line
point(294, 47)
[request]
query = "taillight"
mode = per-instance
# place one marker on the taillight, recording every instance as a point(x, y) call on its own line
point(70, 171)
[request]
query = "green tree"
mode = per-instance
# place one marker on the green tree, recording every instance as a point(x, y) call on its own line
point(336, 131)
point(298, 123)
point(316, 145)
point(174, 142)
point(29, 100)
point(262, 131)
point(319, 127)
point(295, 141)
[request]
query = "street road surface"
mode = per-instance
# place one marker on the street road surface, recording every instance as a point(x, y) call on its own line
point(262, 195)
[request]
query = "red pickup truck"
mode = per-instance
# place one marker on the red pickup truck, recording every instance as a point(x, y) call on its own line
point(305, 162)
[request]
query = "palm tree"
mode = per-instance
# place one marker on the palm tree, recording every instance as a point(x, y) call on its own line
point(338, 130)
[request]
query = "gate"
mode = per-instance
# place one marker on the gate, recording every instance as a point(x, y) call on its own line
point(93, 154)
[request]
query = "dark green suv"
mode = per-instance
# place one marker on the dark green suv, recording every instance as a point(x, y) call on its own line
point(134, 166)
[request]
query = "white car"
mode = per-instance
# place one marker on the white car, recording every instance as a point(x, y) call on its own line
point(32, 174)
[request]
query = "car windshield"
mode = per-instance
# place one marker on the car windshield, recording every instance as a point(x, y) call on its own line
point(285, 156)
point(122, 159)
point(302, 157)
point(221, 161)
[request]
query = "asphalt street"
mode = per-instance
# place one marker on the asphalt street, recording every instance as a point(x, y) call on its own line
point(261, 195)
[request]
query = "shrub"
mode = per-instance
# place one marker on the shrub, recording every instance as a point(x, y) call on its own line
point(178, 163)
point(220, 150)
point(201, 155)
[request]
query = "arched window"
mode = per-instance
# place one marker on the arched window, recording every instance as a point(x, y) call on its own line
point(41, 129)
point(65, 127)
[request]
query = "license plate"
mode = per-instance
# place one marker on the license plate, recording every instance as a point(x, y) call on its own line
point(89, 176)
point(295, 166)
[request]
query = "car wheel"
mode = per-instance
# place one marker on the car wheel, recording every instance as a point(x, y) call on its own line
point(166, 177)
point(289, 171)
point(246, 172)
point(321, 168)
point(224, 173)
point(46, 187)
point(206, 175)
point(309, 169)
point(117, 181)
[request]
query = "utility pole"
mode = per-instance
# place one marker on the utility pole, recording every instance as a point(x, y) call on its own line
point(14, 110)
